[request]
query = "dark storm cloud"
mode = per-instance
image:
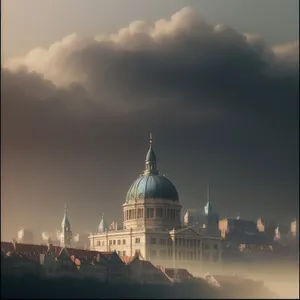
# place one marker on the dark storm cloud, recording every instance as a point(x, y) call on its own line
point(206, 89)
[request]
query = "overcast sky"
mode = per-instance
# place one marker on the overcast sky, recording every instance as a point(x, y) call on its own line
point(84, 82)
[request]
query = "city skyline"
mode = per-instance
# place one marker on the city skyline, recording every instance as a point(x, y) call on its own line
point(51, 236)
point(221, 102)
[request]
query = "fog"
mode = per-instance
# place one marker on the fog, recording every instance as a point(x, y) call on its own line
point(281, 277)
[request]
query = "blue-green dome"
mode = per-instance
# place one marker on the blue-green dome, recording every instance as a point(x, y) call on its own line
point(152, 186)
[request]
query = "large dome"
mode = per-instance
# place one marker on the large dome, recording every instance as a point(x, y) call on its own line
point(152, 186)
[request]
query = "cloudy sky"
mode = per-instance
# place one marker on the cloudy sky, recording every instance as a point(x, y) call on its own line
point(84, 82)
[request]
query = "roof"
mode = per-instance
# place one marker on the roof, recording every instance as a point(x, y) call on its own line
point(183, 274)
point(7, 246)
point(56, 250)
point(149, 186)
point(84, 254)
point(147, 265)
point(151, 157)
point(106, 255)
point(30, 251)
point(65, 222)
point(127, 259)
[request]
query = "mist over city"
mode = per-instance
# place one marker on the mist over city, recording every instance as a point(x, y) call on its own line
point(150, 144)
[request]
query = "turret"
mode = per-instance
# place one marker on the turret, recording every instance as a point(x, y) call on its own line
point(102, 226)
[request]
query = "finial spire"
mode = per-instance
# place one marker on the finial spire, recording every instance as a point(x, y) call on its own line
point(150, 139)
point(208, 198)
point(65, 208)
point(208, 207)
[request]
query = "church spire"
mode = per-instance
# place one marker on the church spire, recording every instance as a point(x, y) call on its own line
point(66, 232)
point(65, 222)
point(208, 206)
point(150, 162)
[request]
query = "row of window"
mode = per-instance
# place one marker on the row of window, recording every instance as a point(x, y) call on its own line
point(122, 253)
point(151, 213)
point(181, 242)
point(178, 242)
point(112, 242)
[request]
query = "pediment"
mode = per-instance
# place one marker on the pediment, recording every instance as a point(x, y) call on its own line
point(188, 232)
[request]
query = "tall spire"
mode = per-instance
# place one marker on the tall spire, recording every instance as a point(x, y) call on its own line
point(66, 232)
point(150, 162)
point(208, 207)
point(208, 199)
point(102, 226)
point(65, 222)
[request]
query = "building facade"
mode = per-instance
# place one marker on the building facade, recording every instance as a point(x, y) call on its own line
point(152, 224)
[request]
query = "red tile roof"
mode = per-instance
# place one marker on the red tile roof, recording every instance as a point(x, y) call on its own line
point(7, 246)
point(83, 254)
point(30, 251)
point(126, 259)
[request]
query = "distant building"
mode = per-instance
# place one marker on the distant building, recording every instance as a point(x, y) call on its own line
point(266, 226)
point(25, 236)
point(205, 220)
point(192, 217)
point(234, 228)
point(152, 225)
point(295, 229)
point(65, 234)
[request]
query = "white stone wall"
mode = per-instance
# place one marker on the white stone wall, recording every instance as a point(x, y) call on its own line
point(158, 246)
point(170, 214)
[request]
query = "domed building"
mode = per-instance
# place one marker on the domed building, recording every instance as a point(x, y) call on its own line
point(152, 224)
point(152, 199)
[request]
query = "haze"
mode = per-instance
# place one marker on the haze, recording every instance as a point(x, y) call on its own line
point(80, 96)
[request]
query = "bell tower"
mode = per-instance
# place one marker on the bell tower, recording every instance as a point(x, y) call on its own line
point(66, 232)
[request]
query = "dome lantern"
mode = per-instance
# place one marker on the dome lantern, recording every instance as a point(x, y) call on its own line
point(150, 162)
